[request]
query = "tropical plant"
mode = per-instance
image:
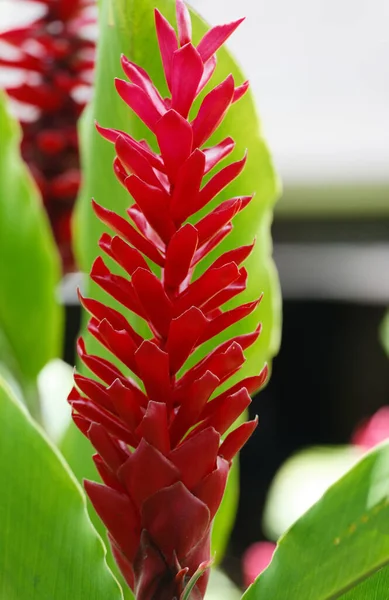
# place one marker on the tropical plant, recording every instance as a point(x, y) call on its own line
point(173, 316)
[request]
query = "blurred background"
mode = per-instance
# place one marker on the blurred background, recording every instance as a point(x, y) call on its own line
point(319, 71)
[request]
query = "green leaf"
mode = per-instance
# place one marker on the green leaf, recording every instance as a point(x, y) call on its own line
point(225, 516)
point(374, 588)
point(339, 545)
point(30, 316)
point(127, 26)
point(49, 550)
point(384, 333)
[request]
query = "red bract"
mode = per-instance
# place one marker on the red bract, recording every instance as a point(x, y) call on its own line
point(160, 451)
point(55, 60)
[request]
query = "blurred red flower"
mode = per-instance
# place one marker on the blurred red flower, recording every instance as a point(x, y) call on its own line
point(54, 59)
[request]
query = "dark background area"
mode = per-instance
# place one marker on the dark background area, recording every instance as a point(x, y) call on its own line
point(330, 374)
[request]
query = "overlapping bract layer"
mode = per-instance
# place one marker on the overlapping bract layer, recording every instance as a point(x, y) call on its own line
point(160, 451)
point(54, 59)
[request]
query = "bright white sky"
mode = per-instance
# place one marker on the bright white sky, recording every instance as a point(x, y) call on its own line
point(320, 73)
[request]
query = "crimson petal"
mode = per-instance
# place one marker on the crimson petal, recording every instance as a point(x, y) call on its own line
point(154, 203)
point(215, 154)
point(125, 255)
point(126, 404)
point(235, 288)
point(236, 439)
point(240, 91)
point(147, 459)
point(108, 448)
point(192, 405)
point(154, 427)
point(205, 287)
point(168, 44)
point(105, 370)
point(212, 111)
point(209, 69)
point(212, 223)
point(135, 161)
point(184, 24)
point(211, 489)
point(215, 37)
point(187, 71)
point(179, 255)
point(139, 102)
point(118, 515)
point(251, 384)
point(175, 504)
point(141, 78)
point(187, 187)
point(219, 181)
point(94, 389)
point(112, 135)
point(125, 230)
point(153, 366)
point(226, 319)
point(116, 286)
point(196, 456)
point(232, 408)
point(120, 343)
point(153, 299)
point(183, 336)
point(98, 415)
point(175, 138)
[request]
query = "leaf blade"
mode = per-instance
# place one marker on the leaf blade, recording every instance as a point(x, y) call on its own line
point(341, 541)
point(30, 316)
point(49, 549)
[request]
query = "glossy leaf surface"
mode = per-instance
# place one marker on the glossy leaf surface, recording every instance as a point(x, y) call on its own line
point(49, 549)
point(30, 316)
point(338, 547)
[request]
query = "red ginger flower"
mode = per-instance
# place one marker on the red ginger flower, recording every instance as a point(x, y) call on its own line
point(160, 451)
point(56, 61)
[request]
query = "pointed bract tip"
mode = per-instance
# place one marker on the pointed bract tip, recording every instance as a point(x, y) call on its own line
point(184, 23)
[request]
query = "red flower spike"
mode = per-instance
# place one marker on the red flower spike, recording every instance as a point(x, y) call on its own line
point(159, 448)
point(139, 102)
point(187, 72)
point(184, 24)
point(215, 37)
point(139, 77)
point(55, 65)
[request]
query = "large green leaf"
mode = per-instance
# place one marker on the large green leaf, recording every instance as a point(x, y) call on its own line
point(339, 546)
point(127, 26)
point(30, 316)
point(49, 550)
